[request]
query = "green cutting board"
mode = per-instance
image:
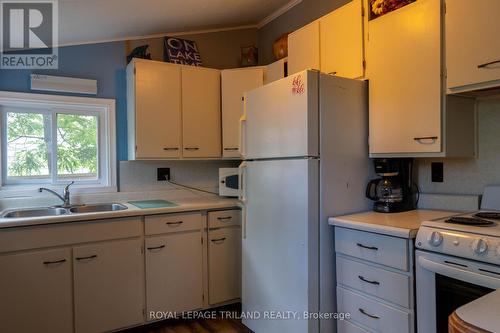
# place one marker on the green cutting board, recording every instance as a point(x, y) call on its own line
point(145, 204)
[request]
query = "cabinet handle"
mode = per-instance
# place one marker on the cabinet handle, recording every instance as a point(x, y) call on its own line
point(488, 64)
point(332, 73)
point(174, 223)
point(86, 258)
point(231, 149)
point(156, 247)
point(219, 240)
point(368, 281)
point(192, 148)
point(170, 148)
point(367, 247)
point(54, 262)
point(367, 314)
point(420, 139)
point(225, 218)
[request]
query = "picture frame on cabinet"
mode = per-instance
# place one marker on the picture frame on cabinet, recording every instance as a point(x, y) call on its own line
point(381, 7)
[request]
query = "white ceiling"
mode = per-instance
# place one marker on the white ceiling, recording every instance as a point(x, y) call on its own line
point(84, 21)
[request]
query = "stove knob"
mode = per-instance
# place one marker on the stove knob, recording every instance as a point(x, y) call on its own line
point(480, 246)
point(436, 238)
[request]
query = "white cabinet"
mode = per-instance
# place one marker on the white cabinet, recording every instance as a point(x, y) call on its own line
point(174, 274)
point(341, 40)
point(35, 292)
point(276, 71)
point(224, 264)
point(201, 115)
point(108, 285)
point(154, 109)
point(235, 82)
point(173, 111)
point(409, 115)
point(472, 47)
point(304, 48)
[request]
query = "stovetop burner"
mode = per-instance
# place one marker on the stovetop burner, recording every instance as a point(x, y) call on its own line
point(472, 221)
point(488, 215)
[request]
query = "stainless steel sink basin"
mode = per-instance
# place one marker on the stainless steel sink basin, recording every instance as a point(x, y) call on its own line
point(56, 211)
point(111, 207)
point(35, 212)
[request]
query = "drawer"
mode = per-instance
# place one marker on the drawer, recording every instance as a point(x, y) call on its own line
point(390, 286)
point(380, 249)
point(372, 314)
point(224, 218)
point(167, 223)
point(345, 326)
point(60, 234)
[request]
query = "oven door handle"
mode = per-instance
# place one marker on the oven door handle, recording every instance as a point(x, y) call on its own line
point(460, 274)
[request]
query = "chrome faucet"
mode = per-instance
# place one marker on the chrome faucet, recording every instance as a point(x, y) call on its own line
point(65, 198)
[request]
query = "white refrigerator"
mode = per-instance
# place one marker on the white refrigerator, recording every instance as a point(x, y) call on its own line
point(305, 145)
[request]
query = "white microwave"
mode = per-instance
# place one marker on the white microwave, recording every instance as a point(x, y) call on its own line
point(229, 182)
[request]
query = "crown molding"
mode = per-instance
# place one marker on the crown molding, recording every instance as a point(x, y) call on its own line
point(277, 13)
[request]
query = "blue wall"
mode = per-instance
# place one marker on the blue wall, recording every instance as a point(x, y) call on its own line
point(103, 62)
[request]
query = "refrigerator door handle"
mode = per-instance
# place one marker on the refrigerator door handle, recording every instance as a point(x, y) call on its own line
point(242, 196)
point(243, 120)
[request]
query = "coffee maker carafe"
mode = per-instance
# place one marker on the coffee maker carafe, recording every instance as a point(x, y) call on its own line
point(394, 191)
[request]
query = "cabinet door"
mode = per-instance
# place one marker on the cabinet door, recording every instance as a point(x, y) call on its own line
point(201, 115)
point(224, 264)
point(234, 84)
point(342, 41)
point(472, 47)
point(109, 285)
point(276, 71)
point(157, 110)
point(35, 292)
point(174, 272)
point(404, 57)
point(303, 49)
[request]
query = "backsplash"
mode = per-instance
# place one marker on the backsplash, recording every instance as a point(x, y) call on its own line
point(469, 176)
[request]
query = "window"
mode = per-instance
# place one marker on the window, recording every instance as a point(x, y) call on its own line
point(53, 140)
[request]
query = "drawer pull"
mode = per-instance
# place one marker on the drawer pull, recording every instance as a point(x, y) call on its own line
point(488, 64)
point(54, 262)
point(219, 240)
point(192, 148)
point(231, 149)
point(426, 138)
point(367, 314)
point(368, 281)
point(156, 247)
point(175, 223)
point(225, 218)
point(170, 148)
point(367, 247)
point(86, 258)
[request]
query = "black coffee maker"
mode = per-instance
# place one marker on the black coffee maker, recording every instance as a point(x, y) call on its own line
point(395, 191)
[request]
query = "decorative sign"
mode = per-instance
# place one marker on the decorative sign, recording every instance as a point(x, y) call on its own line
point(181, 51)
point(382, 7)
point(298, 85)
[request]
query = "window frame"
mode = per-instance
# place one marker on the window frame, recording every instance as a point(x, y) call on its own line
point(104, 109)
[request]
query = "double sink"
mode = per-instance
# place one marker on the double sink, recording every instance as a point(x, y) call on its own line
point(57, 211)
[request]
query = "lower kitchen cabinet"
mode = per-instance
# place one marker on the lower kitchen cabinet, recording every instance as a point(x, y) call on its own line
point(224, 264)
point(174, 272)
point(108, 285)
point(35, 292)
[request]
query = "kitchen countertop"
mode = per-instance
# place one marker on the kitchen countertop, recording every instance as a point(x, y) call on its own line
point(483, 312)
point(183, 205)
point(404, 225)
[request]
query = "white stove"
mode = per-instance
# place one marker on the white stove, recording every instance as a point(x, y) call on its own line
point(457, 261)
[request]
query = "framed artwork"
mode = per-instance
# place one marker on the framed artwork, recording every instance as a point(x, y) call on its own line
point(382, 7)
point(181, 51)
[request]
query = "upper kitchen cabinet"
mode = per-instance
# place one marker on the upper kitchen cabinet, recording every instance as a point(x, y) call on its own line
point(304, 48)
point(409, 114)
point(472, 47)
point(201, 112)
point(154, 110)
point(235, 82)
point(341, 39)
point(276, 71)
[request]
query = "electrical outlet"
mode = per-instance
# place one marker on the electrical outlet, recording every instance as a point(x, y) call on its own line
point(162, 174)
point(437, 172)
